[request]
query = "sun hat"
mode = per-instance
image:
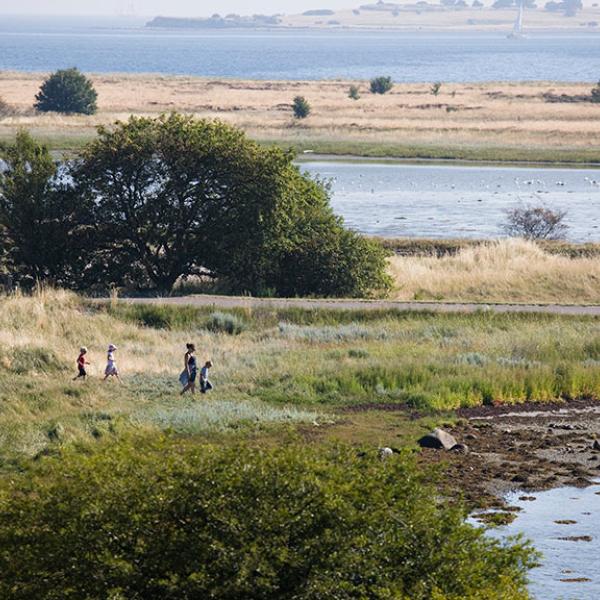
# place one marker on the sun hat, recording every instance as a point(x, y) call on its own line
point(82, 349)
point(111, 347)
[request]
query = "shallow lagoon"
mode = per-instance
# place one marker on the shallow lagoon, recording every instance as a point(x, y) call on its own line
point(570, 569)
point(451, 201)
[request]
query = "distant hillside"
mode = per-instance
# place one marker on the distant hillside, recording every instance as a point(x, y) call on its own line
point(417, 15)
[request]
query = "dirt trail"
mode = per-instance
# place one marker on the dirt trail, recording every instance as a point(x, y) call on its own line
point(350, 304)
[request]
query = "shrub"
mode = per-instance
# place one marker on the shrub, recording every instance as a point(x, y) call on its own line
point(220, 322)
point(596, 93)
point(381, 85)
point(6, 109)
point(353, 93)
point(67, 91)
point(535, 223)
point(165, 519)
point(435, 88)
point(301, 107)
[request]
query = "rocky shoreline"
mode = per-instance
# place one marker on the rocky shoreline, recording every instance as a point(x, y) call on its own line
point(529, 448)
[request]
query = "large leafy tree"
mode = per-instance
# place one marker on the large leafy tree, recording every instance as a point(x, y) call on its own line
point(41, 221)
point(67, 91)
point(177, 196)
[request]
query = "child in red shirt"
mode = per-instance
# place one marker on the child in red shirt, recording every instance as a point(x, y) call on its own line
point(81, 362)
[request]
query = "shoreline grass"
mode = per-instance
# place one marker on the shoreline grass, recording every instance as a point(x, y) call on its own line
point(491, 123)
point(287, 367)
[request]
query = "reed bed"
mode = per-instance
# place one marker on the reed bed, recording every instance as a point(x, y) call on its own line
point(511, 270)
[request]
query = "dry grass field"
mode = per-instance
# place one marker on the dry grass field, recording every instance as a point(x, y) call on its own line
point(503, 271)
point(489, 121)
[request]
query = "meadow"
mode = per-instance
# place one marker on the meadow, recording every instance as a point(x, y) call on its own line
point(275, 370)
point(512, 270)
point(481, 122)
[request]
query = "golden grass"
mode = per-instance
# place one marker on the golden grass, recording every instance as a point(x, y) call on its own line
point(486, 115)
point(503, 271)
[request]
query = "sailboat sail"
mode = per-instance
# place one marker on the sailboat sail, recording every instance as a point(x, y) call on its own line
point(518, 27)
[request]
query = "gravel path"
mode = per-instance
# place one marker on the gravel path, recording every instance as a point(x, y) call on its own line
point(441, 307)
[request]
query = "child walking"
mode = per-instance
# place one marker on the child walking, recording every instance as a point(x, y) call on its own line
point(205, 384)
point(81, 362)
point(111, 365)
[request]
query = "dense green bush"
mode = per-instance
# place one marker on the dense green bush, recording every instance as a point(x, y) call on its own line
point(301, 107)
point(381, 85)
point(354, 93)
point(165, 520)
point(67, 91)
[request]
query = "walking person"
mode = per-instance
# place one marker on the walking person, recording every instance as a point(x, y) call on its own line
point(190, 371)
point(81, 362)
point(205, 384)
point(111, 364)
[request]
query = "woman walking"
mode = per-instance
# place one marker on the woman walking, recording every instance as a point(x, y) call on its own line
point(190, 372)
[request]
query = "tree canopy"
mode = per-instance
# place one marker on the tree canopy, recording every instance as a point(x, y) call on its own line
point(67, 91)
point(156, 200)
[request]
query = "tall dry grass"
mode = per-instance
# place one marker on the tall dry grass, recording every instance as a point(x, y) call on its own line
point(511, 270)
point(486, 115)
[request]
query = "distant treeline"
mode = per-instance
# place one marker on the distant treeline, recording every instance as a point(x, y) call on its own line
point(215, 22)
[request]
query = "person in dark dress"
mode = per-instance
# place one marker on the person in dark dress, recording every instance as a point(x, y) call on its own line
point(190, 372)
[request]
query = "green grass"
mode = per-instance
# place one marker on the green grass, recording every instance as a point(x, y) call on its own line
point(281, 366)
point(72, 143)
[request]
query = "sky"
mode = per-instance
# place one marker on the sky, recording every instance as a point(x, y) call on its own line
point(167, 7)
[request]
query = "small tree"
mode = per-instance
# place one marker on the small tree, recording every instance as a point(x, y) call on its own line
point(353, 92)
point(435, 88)
point(535, 223)
point(596, 93)
point(381, 85)
point(67, 91)
point(301, 107)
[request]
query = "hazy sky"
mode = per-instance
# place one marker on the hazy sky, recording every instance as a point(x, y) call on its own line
point(166, 7)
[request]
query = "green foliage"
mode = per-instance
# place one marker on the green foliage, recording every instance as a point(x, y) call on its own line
point(175, 196)
point(67, 91)
point(157, 316)
point(354, 93)
point(381, 85)
point(219, 322)
point(166, 519)
point(301, 107)
point(435, 88)
point(39, 217)
point(596, 93)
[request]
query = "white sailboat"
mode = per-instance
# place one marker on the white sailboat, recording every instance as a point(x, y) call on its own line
point(517, 31)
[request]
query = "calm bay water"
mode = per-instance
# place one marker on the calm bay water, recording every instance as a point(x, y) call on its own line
point(570, 569)
point(124, 45)
point(436, 201)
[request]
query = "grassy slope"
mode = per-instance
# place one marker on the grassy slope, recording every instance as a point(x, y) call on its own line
point(288, 367)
